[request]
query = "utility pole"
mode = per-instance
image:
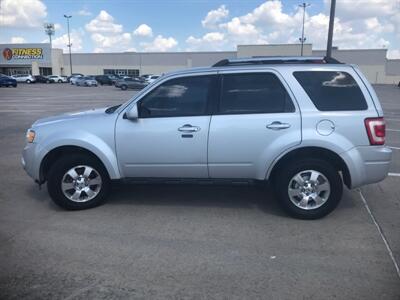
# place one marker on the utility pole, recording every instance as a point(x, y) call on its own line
point(303, 39)
point(330, 30)
point(69, 43)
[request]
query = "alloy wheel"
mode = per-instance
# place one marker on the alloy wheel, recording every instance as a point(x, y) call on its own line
point(81, 183)
point(309, 189)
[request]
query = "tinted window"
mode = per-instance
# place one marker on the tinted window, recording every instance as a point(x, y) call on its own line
point(253, 93)
point(177, 97)
point(331, 91)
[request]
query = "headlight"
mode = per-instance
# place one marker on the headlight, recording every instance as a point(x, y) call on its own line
point(30, 136)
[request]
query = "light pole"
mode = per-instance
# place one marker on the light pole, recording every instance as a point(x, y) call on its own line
point(49, 29)
point(330, 30)
point(303, 39)
point(69, 43)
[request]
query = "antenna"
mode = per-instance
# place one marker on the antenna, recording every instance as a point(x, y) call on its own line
point(49, 30)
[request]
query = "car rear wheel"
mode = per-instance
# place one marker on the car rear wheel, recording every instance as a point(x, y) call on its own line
point(78, 182)
point(124, 87)
point(308, 188)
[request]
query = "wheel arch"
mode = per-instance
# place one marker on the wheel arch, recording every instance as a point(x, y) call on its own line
point(51, 157)
point(312, 152)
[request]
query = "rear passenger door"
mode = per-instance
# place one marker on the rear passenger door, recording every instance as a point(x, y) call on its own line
point(256, 120)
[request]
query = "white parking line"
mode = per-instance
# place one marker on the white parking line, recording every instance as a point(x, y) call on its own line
point(395, 148)
point(396, 266)
point(394, 174)
point(395, 120)
point(390, 129)
point(20, 111)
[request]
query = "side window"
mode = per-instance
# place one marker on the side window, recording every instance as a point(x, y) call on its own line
point(332, 91)
point(185, 96)
point(249, 93)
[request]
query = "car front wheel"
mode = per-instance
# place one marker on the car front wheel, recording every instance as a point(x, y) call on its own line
point(308, 188)
point(28, 81)
point(78, 182)
point(124, 87)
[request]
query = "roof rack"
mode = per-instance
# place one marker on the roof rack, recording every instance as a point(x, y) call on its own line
point(269, 60)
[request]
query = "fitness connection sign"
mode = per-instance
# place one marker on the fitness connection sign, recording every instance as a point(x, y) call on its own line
point(23, 54)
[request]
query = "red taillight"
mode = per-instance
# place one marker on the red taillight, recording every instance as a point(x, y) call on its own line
point(376, 129)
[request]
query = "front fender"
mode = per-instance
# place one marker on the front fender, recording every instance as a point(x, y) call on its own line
point(99, 147)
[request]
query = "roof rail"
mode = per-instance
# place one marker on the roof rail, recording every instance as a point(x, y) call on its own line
point(269, 60)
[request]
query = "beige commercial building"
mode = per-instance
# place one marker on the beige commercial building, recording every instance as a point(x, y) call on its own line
point(40, 59)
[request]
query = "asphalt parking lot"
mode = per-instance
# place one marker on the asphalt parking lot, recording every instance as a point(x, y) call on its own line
point(187, 242)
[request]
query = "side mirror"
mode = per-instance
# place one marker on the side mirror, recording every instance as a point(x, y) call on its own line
point(133, 113)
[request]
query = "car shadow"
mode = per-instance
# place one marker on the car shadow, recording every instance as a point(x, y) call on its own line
point(243, 197)
point(259, 196)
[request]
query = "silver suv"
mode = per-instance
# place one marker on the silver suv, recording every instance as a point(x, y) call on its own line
point(306, 125)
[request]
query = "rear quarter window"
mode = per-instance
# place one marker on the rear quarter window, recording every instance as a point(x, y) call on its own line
point(332, 90)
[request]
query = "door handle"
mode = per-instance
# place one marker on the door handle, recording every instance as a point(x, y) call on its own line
point(278, 125)
point(189, 128)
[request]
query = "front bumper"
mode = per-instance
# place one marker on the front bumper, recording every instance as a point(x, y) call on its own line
point(367, 164)
point(29, 161)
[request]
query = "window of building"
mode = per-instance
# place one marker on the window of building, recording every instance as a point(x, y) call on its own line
point(249, 93)
point(121, 72)
point(45, 71)
point(332, 91)
point(177, 97)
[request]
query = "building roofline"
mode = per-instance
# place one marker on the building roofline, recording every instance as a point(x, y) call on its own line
point(145, 53)
point(263, 45)
point(365, 49)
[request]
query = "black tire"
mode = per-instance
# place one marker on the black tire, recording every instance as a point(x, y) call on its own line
point(28, 81)
point(59, 81)
point(289, 170)
point(56, 174)
point(124, 87)
point(15, 85)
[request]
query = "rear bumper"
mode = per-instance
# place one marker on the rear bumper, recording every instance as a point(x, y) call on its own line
point(367, 164)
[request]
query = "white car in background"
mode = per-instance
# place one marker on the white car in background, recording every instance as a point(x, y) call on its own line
point(149, 78)
point(24, 78)
point(74, 79)
point(152, 78)
point(57, 78)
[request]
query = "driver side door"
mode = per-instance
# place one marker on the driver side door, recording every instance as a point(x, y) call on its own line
point(169, 138)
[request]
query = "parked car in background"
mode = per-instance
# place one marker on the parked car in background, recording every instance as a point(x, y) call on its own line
point(103, 79)
point(74, 78)
point(41, 79)
point(307, 125)
point(74, 75)
point(152, 78)
point(131, 83)
point(24, 78)
point(146, 76)
point(114, 78)
point(7, 81)
point(57, 78)
point(86, 81)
